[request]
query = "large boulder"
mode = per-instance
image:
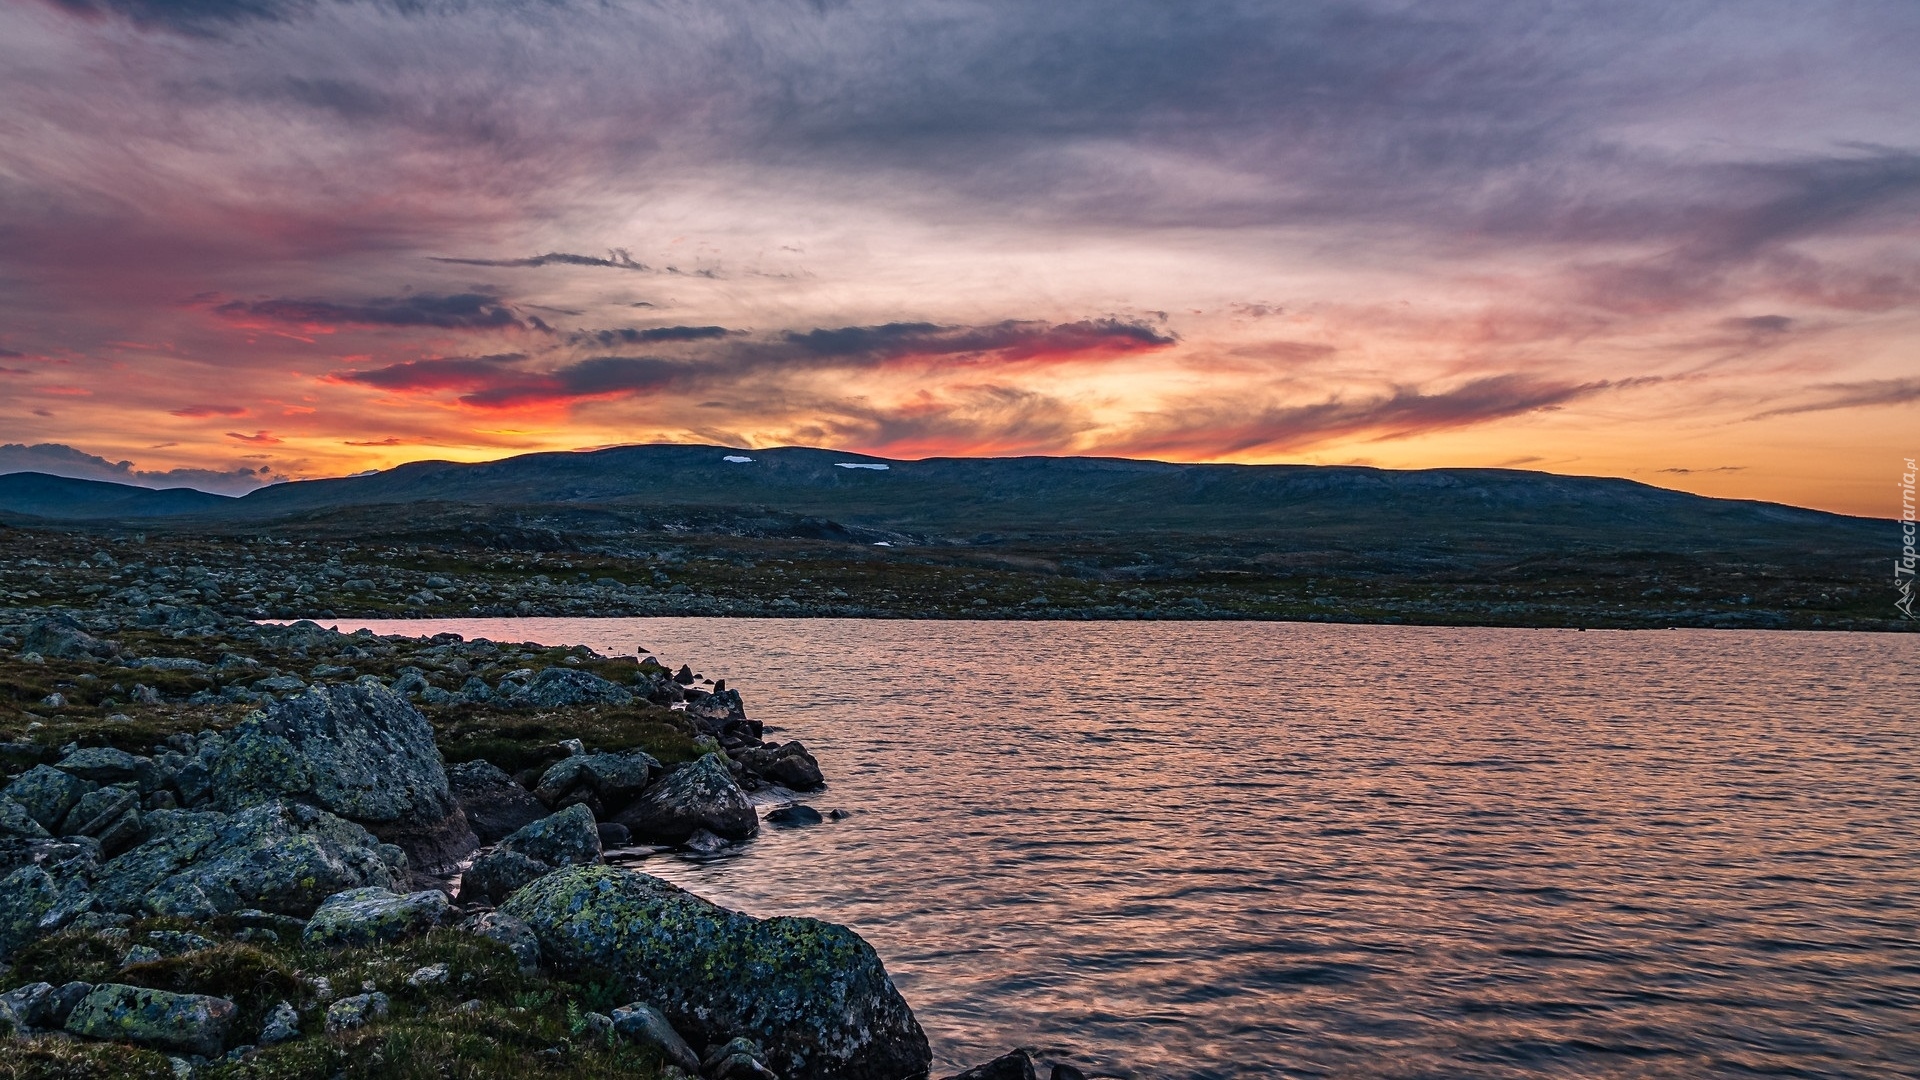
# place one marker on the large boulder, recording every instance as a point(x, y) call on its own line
point(559, 687)
point(15, 821)
point(813, 994)
point(106, 765)
point(280, 857)
point(606, 781)
point(369, 916)
point(358, 751)
point(702, 795)
point(47, 794)
point(184, 1023)
point(493, 803)
point(1017, 1065)
point(62, 635)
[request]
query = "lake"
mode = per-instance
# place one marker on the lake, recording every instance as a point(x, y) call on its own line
point(1222, 850)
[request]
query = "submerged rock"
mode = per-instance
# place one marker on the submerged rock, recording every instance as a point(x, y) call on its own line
point(812, 993)
point(495, 806)
point(360, 752)
point(187, 1023)
point(702, 795)
point(366, 916)
point(1017, 1065)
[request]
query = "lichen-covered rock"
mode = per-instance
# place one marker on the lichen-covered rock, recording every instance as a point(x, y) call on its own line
point(34, 901)
point(62, 635)
point(356, 1012)
point(105, 765)
point(279, 857)
point(98, 809)
point(703, 795)
point(15, 820)
point(47, 793)
point(515, 934)
point(608, 781)
point(188, 1023)
point(494, 804)
point(366, 916)
point(812, 993)
point(499, 874)
point(789, 765)
point(558, 687)
point(360, 752)
point(568, 838)
point(25, 1007)
point(283, 1023)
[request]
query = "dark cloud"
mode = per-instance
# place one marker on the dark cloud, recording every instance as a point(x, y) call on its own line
point(459, 311)
point(58, 459)
point(259, 438)
point(1677, 471)
point(197, 412)
point(187, 16)
point(498, 382)
point(1011, 340)
point(1852, 395)
point(1759, 324)
point(649, 336)
point(617, 259)
point(1210, 428)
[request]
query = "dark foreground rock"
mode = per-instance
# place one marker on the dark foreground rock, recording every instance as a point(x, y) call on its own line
point(813, 994)
point(368, 916)
point(494, 804)
point(1017, 1065)
point(186, 1023)
point(361, 752)
point(702, 795)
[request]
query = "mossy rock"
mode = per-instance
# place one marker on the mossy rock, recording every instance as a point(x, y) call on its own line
point(188, 1023)
point(813, 993)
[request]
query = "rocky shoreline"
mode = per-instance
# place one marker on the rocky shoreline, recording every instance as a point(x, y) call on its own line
point(241, 850)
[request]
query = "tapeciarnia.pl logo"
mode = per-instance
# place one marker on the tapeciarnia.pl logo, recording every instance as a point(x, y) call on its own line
point(1903, 566)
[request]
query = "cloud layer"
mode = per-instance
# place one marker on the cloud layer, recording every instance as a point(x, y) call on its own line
point(322, 235)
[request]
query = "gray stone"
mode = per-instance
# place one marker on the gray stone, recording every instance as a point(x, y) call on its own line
point(356, 1012)
point(105, 765)
point(61, 1002)
point(26, 1006)
point(515, 934)
point(47, 793)
point(367, 916)
point(431, 975)
point(643, 1024)
point(568, 838)
point(559, 687)
point(62, 636)
point(494, 804)
point(361, 753)
point(279, 857)
point(98, 809)
point(818, 997)
point(283, 1023)
point(188, 1023)
point(499, 874)
point(15, 820)
point(788, 765)
point(702, 795)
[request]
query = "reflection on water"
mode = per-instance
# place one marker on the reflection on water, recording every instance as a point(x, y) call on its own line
point(1259, 849)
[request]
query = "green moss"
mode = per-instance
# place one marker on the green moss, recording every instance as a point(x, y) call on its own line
point(516, 740)
point(246, 975)
point(51, 1059)
point(69, 956)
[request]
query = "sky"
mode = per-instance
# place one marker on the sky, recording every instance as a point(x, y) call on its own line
point(244, 241)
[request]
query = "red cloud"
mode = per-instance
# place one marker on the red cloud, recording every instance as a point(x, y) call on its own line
point(201, 411)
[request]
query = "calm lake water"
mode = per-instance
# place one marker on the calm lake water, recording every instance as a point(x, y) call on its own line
point(1210, 850)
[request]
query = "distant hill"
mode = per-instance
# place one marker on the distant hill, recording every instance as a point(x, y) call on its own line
point(67, 499)
point(1430, 514)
